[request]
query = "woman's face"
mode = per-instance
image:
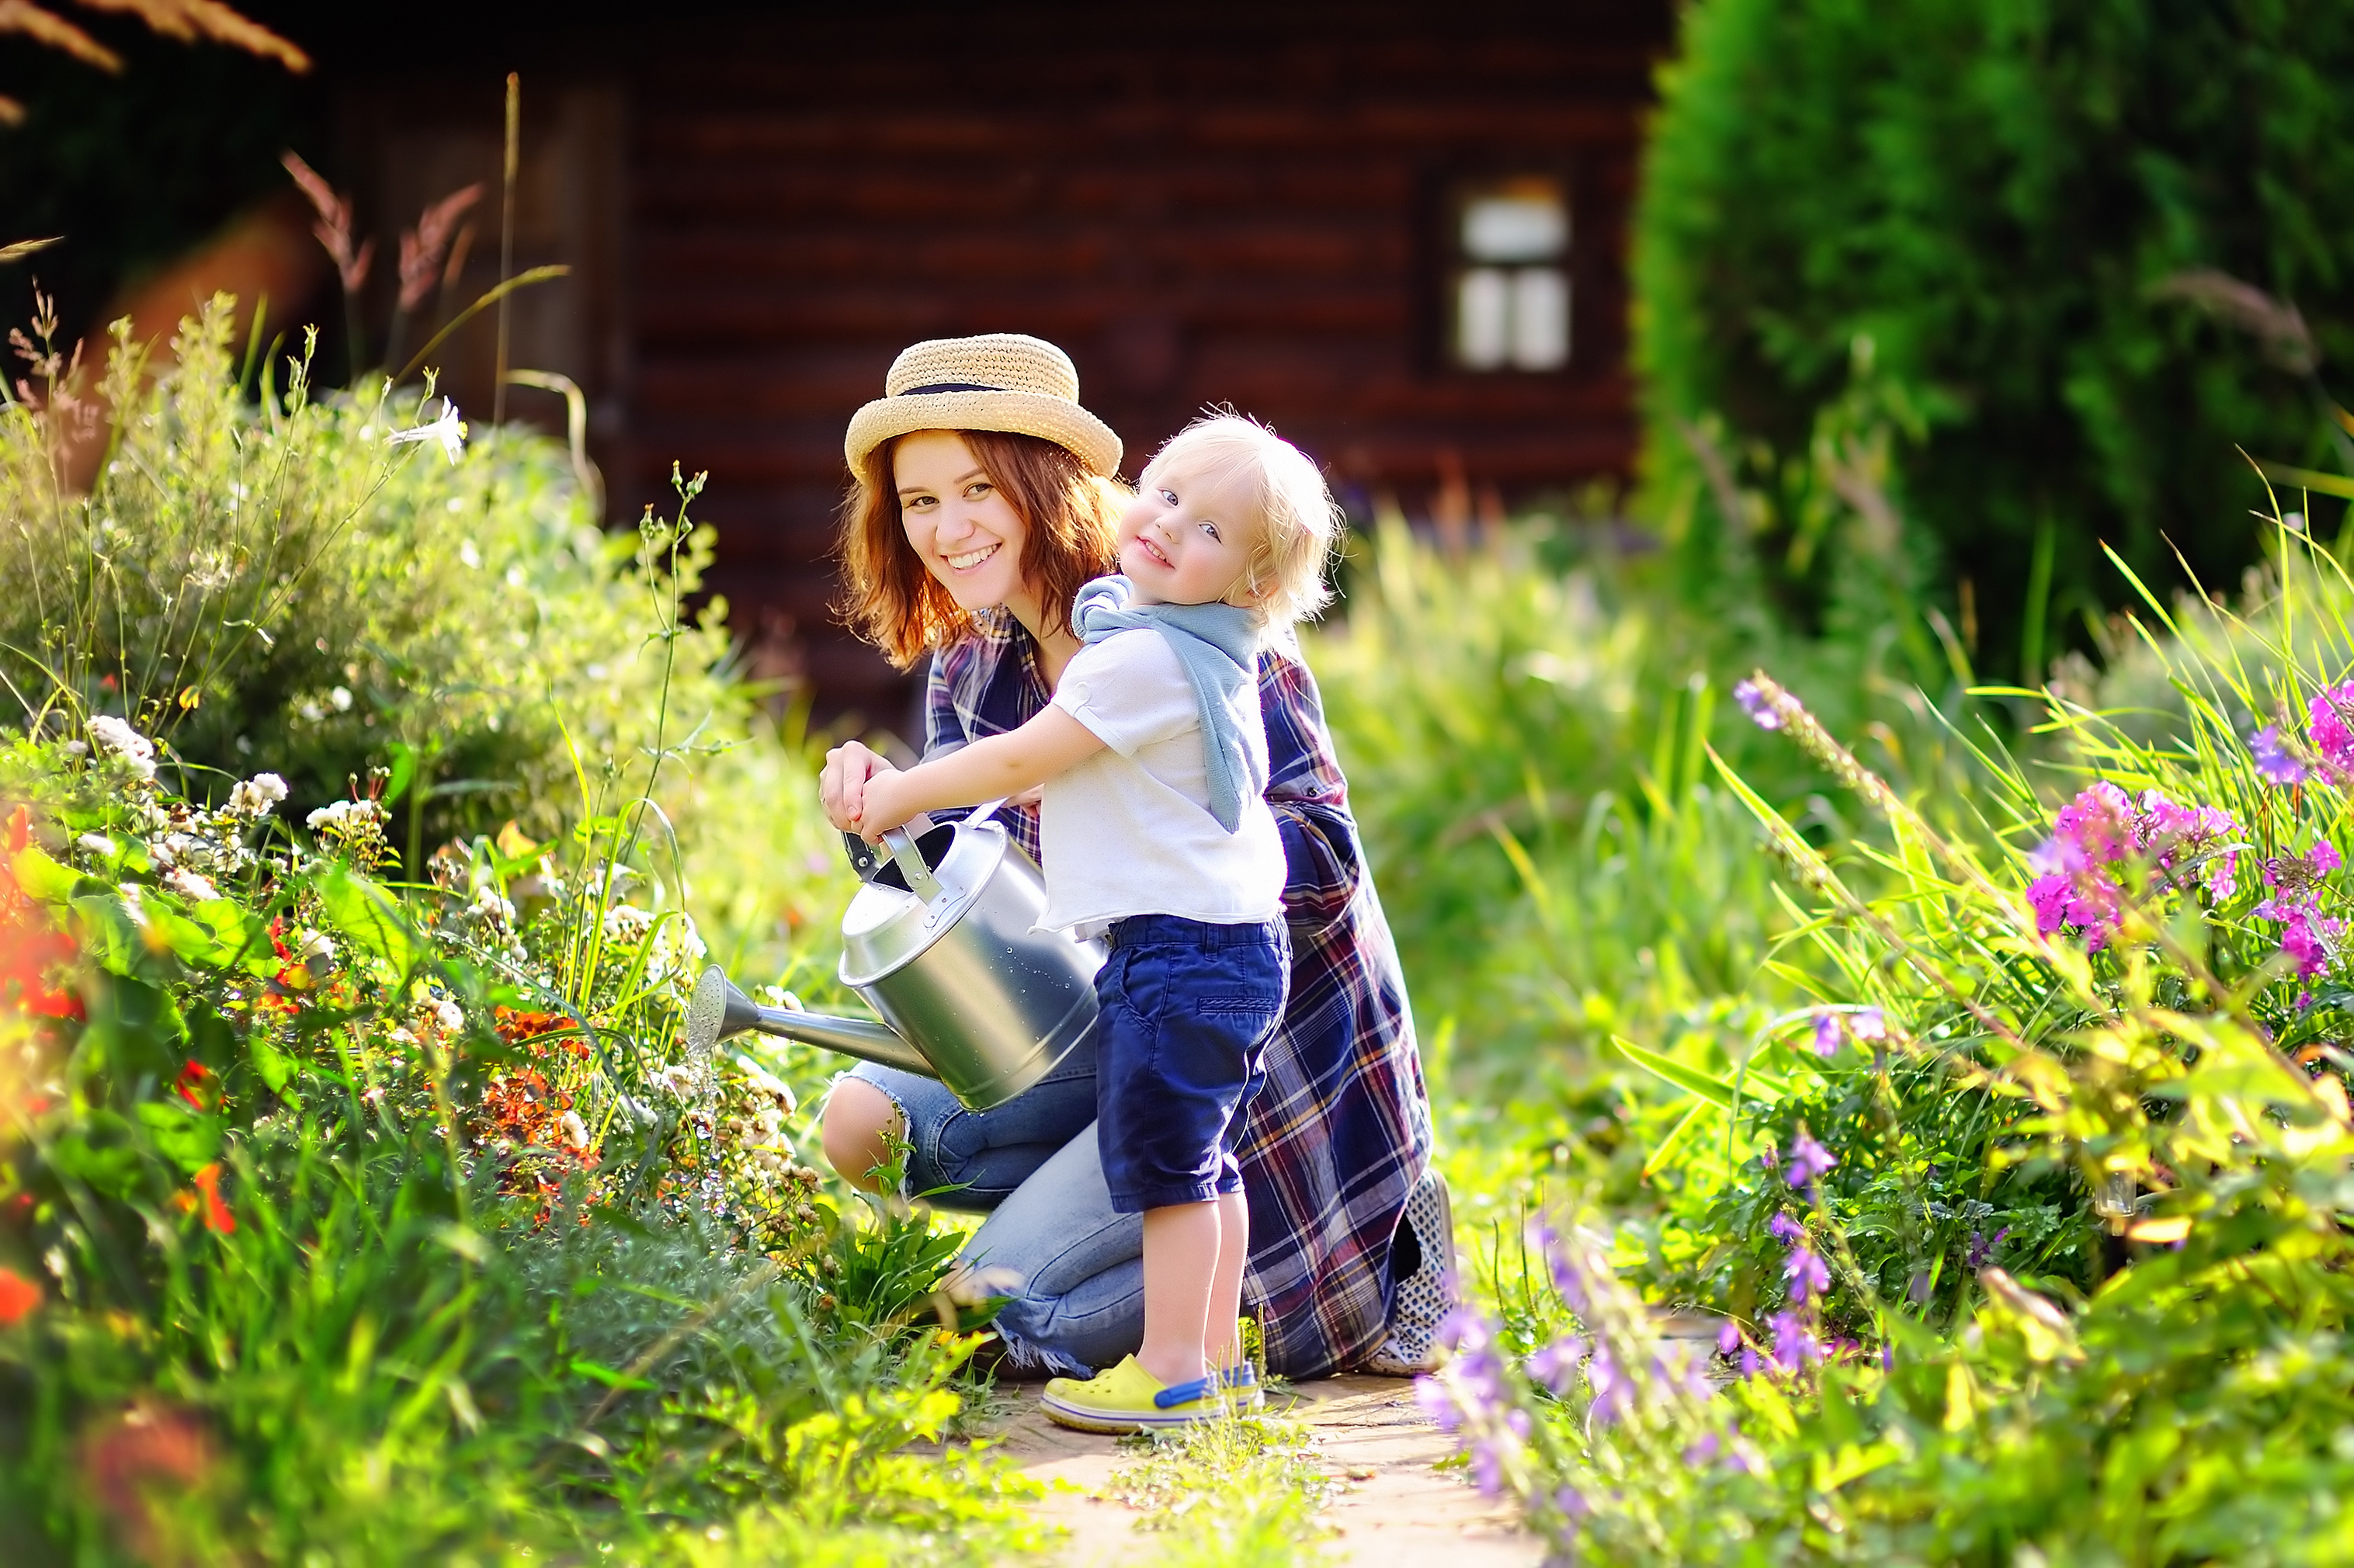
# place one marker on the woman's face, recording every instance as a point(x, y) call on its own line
point(958, 521)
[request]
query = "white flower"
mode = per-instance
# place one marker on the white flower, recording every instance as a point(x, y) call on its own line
point(318, 952)
point(679, 1079)
point(98, 844)
point(489, 906)
point(190, 886)
point(344, 816)
point(451, 1019)
point(340, 699)
point(119, 740)
point(448, 429)
point(469, 554)
point(576, 1131)
point(626, 922)
point(257, 796)
point(134, 902)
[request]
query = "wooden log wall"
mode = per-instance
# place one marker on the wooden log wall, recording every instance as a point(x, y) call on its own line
point(1201, 204)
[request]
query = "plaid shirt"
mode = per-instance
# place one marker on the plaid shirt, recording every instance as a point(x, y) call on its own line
point(1340, 1131)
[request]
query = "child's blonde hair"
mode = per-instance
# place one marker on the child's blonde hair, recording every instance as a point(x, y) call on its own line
point(1298, 521)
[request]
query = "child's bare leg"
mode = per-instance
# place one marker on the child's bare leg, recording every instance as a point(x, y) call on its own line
point(1182, 1255)
point(1226, 1284)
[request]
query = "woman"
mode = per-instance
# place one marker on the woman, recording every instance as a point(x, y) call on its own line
point(982, 499)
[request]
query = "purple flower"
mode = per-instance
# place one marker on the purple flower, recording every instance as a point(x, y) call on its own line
point(1703, 1450)
point(1808, 1160)
point(1827, 1034)
point(2275, 764)
point(1554, 1365)
point(1795, 1344)
point(2327, 718)
point(1870, 1024)
point(1437, 1403)
point(1769, 1156)
point(1568, 1264)
point(1572, 1502)
point(1785, 1230)
point(2322, 858)
point(1487, 1468)
point(1982, 1247)
point(1750, 1363)
point(1728, 1339)
point(2306, 935)
point(1614, 1391)
point(2302, 942)
point(1806, 1274)
point(1755, 704)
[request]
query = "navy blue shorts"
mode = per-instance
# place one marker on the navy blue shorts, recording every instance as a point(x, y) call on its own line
point(1188, 1008)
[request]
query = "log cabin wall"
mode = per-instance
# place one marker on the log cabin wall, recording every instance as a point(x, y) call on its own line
point(1256, 204)
point(1201, 204)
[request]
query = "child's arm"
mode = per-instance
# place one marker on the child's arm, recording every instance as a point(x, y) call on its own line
point(1002, 765)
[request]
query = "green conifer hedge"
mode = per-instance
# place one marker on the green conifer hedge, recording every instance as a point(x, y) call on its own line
point(2005, 197)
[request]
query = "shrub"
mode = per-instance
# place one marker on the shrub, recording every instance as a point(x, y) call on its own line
point(279, 585)
point(2008, 207)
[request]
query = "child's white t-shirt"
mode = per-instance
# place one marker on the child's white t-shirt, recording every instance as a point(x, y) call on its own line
point(1129, 831)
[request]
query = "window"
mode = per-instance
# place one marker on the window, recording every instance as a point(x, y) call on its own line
point(1511, 278)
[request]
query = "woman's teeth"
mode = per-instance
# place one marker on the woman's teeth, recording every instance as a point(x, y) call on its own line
point(972, 558)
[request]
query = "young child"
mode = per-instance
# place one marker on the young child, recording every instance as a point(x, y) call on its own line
point(1155, 832)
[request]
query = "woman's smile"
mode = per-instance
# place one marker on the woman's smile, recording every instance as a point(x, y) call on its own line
point(965, 560)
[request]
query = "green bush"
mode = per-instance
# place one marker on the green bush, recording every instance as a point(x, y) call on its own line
point(1999, 203)
point(264, 580)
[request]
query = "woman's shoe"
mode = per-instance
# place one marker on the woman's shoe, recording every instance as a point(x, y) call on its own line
point(1243, 1390)
point(1129, 1399)
point(1425, 1293)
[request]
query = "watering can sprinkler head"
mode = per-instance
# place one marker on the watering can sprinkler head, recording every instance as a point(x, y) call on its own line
point(718, 1010)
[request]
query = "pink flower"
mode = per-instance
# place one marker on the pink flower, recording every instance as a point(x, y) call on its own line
point(2329, 722)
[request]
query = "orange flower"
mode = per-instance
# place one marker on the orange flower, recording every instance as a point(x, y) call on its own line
point(218, 1219)
point(18, 1296)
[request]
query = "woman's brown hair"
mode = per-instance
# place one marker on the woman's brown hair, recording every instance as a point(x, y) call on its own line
point(1068, 513)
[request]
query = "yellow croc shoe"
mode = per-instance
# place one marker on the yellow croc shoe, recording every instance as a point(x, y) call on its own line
point(1129, 1399)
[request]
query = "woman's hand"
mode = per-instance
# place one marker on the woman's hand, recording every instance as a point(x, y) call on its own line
point(842, 787)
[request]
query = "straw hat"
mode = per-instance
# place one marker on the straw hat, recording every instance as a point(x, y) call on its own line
point(997, 381)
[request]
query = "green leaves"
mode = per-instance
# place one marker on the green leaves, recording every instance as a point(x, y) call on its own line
point(369, 917)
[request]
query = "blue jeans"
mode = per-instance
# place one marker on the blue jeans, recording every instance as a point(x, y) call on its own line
point(1032, 1166)
point(1181, 1041)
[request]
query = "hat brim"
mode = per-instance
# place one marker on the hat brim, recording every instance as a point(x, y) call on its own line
point(1056, 419)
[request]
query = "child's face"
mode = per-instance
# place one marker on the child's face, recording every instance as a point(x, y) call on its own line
point(1187, 537)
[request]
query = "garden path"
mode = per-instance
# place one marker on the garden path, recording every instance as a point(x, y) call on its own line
point(1394, 1507)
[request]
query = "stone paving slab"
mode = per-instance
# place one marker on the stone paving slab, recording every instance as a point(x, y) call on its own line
point(1394, 1507)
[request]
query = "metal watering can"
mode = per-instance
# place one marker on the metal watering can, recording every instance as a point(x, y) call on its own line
point(938, 942)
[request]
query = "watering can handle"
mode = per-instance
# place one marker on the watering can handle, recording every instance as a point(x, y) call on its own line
point(910, 862)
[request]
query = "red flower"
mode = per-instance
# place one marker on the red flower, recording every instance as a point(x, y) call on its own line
point(218, 1219)
point(18, 1296)
point(20, 830)
point(192, 1080)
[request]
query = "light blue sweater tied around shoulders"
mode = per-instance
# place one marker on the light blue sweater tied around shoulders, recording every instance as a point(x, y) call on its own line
point(1218, 646)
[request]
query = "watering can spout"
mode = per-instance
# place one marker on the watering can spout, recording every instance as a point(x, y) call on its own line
point(719, 1010)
